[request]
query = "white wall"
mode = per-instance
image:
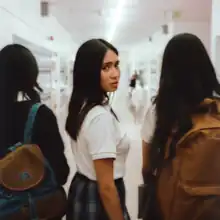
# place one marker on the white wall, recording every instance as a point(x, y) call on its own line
point(22, 17)
point(200, 29)
point(124, 67)
point(143, 53)
point(215, 30)
point(217, 56)
point(146, 51)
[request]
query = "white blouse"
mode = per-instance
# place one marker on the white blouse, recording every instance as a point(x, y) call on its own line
point(149, 124)
point(100, 137)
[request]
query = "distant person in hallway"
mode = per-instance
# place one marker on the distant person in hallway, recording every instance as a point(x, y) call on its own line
point(137, 103)
point(180, 136)
point(99, 145)
point(132, 83)
point(18, 74)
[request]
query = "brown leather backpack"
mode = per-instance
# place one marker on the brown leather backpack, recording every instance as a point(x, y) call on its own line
point(189, 185)
point(28, 188)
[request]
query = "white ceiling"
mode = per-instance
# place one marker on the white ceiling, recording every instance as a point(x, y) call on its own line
point(85, 19)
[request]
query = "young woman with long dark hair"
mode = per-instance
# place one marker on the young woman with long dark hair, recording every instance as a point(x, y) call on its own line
point(180, 134)
point(18, 74)
point(99, 144)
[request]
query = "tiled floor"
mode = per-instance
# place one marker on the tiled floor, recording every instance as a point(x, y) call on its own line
point(133, 175)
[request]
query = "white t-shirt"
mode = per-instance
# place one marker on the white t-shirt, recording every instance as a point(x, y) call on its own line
point(149, 124)
point(137, 97)
point(100, 137)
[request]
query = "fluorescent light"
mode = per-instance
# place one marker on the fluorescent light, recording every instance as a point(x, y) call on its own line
point(116, 19)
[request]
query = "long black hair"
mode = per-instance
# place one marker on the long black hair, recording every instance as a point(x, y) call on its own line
point(187, 78)
point(87, 91)
point(18, 73)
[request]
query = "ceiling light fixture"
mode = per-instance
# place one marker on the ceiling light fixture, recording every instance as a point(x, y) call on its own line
point(116, 19)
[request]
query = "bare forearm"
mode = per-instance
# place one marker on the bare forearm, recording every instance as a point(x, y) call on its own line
point(145, 155)
point(111, 202)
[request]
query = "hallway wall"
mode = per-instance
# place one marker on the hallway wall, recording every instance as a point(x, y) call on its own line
point(201, 29)
point(215, 35)
point(22, 17)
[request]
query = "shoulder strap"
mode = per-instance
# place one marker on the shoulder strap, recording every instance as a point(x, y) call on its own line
point(30, 122)
point(200, 122)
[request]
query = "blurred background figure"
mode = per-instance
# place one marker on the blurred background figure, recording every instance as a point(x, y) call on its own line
point(137, 102)
point(132, 84)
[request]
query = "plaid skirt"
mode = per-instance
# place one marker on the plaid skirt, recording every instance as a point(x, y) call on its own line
point(84, 202)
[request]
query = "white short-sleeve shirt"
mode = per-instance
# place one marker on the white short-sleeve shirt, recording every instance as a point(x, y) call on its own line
point(100, 137)
point(137, 97)
point(149, 124)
